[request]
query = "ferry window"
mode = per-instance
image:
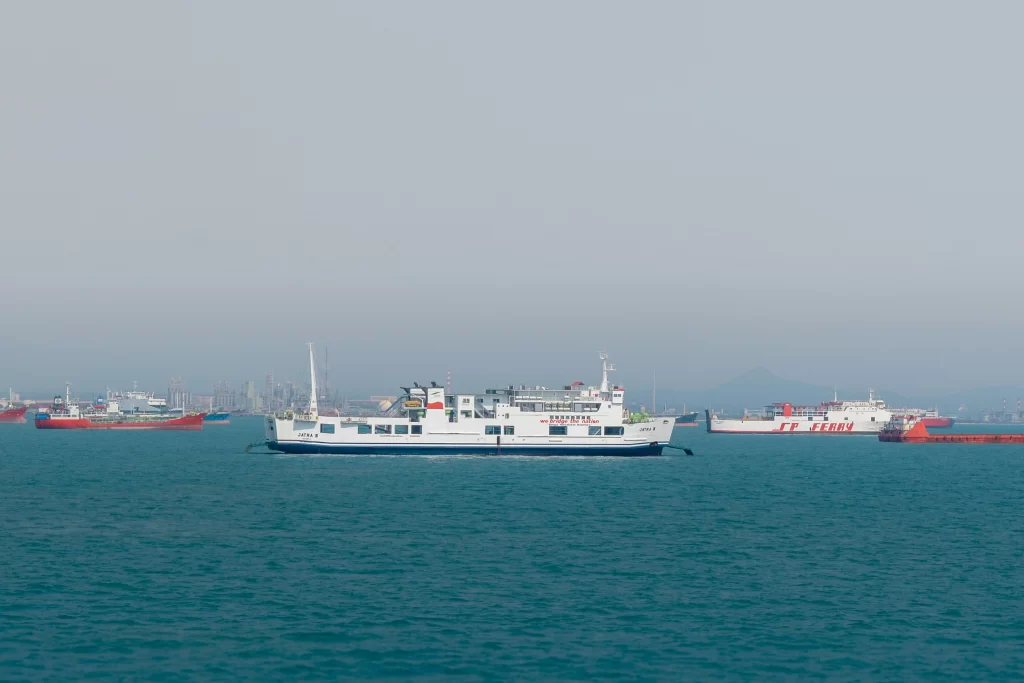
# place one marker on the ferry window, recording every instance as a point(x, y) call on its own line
point(364, 429)
point(466, 413)
point(417, 429)
point(872, 419)
point(492, 429)
point(613, 431)
point(510, 430)
point(401, 429)
point(846, 418)
point(381, 429)
point(465, 400)
point(810, 417)
point(557, 430)
point(594, 430)
point(326, 429)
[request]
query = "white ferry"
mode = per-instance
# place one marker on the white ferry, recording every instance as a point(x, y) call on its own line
point(136, 401)
point(574, 420)
point(829, 417)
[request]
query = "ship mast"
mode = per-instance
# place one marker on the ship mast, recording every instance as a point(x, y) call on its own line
point(312, 384)
point(654, 393)
point(605, 367)
point(327, 377)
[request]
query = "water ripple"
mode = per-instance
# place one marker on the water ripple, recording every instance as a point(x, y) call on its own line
point(177, 557)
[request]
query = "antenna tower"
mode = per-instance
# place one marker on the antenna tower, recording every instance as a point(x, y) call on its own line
point(325, 393)
point(313, 412)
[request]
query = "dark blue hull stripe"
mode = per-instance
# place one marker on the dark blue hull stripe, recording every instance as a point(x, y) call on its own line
point(303, 447)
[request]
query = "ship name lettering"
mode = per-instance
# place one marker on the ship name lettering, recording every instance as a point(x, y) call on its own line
point(832, 427)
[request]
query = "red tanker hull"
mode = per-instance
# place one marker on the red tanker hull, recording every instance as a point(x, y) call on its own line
point(189, 423)
point(13, 416)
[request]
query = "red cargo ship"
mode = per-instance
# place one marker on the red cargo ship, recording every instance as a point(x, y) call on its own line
point(929, 418)
point(909, 429)
point(64, 414)
point(13, 416)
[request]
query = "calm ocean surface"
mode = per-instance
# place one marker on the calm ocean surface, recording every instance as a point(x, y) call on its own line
point(175, 556)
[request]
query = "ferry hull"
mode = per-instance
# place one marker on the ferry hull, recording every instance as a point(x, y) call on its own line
point(189, 423)
point(687, 420)
point(717, 425)
point(338, 436)
point(306, 448)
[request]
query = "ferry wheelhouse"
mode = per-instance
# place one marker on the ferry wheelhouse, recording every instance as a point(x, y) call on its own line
point(572, 420)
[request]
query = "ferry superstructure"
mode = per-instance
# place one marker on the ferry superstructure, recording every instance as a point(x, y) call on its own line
point(829, 417)
point(573, 420)
point(136, 401)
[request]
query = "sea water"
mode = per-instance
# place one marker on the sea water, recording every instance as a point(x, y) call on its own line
point(177, 556)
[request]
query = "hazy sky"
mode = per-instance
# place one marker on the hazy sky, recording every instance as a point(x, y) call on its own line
point(830, 190)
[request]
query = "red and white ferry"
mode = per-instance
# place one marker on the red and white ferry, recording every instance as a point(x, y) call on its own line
point(65, 414)
point(829, 417)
